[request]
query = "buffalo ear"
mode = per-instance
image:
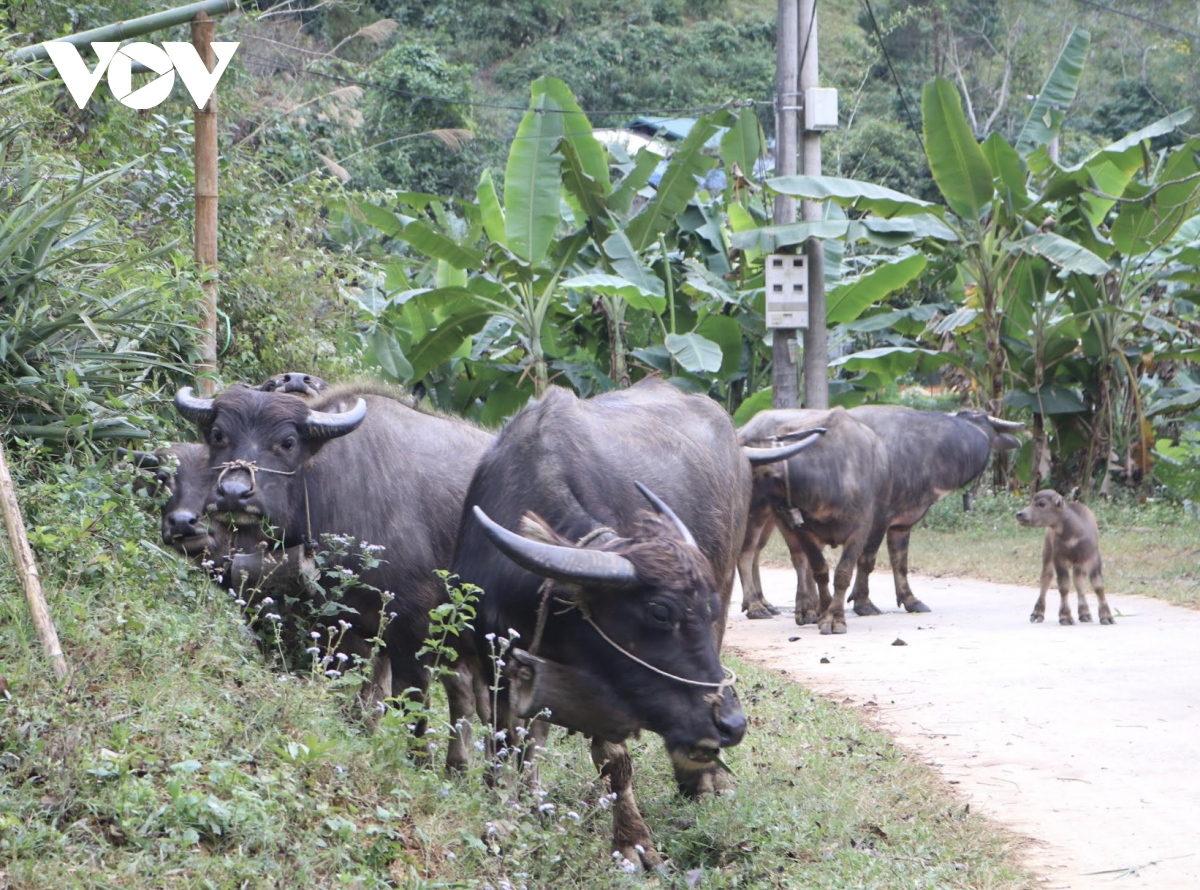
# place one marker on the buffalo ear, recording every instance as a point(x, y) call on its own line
point(1059, 503)
point(535, 528)
point(1005, 442)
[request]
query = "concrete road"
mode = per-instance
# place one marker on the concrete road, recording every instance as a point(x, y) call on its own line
point(1084, 739)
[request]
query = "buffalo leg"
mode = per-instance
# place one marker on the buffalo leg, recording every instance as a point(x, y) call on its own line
point(1097, 582)
point(897, 541)
point(1039, 608)
point(460, 696)
point(631, 837)
point(833, 606)
point(758, 532)
point(808, 608)
point(1063, 570)
point(861, 597)
point(375, 689)
point(1085, 614)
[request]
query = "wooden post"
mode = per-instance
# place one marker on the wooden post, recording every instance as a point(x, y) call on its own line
point(206, 212)
point(816, 346)
point(785, 384)
point(27, 570)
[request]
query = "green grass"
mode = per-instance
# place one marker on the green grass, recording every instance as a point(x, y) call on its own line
point(1151, 548)
point(179, 756)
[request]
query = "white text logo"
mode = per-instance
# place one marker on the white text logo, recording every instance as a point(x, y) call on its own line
point(164, 61)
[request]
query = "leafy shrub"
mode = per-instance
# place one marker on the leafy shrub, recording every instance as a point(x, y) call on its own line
point(85, 324)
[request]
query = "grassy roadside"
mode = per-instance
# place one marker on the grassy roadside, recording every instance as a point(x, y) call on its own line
point(1151, 549)
point(181, 757)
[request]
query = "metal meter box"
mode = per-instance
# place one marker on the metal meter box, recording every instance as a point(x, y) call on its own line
point(787, 291)
point(820, 109)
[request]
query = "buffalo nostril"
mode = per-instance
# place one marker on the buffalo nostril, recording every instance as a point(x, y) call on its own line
point(732, 724)
point(182, 523)
point(232, 494)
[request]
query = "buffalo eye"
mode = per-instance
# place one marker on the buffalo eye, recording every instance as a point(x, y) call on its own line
point(288, 444)
point(659, 613)
point(215, 436)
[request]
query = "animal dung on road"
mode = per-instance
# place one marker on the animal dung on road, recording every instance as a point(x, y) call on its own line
point(899, 642)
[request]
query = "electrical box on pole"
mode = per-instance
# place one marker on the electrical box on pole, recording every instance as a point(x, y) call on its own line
point(787, 291)
point(820, 109)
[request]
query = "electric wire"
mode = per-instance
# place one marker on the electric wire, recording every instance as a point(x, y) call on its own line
point(895, 77)
point(1140, 18)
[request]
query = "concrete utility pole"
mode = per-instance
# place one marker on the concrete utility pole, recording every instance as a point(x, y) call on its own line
point(785, 386)
point(816, 346)
point(206, 212)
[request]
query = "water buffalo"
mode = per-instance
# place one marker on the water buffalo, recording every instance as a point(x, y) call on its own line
point(1072, 548)
point(295, 382)
point(613, 524)
point(836, 494)
point(183, 471)
point(932, 454)
point(359, 462)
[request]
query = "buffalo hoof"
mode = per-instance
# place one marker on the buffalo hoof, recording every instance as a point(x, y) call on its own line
point(643, 855)
point(1065, 620)
point(760, 610)
point(805, 616)
point(865, 607)
point(837, 627)
point(917, 606)
point(1107, 619)
point(1035, 618)
point(1085, 617)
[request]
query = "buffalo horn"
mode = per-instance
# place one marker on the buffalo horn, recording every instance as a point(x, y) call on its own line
point(661, 506)
point(330, 425)
point(1005, 426)
point(192, 408)
point(759, 456)
point(574, 565)
point(143, 460)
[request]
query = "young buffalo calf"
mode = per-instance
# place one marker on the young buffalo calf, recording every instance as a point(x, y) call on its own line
point(1072, 547)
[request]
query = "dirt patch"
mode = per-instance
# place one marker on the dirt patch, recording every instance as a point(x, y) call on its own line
point(1084, 739)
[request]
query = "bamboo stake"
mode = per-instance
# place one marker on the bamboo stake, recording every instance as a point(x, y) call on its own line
point(206, 212)
point(27, 570)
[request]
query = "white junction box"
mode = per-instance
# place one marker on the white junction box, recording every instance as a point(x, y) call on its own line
point(820, 109)
point(787, 291)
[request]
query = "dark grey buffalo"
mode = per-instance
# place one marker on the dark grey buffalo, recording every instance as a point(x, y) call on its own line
point(932, 454)
point(835, 494)
point(358, 462)
point(183, 471)
point(614, 521)
point(296, 382)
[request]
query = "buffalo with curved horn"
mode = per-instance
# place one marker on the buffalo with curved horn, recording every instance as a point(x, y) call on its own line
point(619, 600)
point(360, 462)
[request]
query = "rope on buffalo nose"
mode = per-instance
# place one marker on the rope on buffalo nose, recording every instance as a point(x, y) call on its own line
point(730, 676)
point(252, 468)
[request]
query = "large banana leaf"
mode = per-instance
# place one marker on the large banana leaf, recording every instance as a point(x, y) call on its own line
point(956, 161)
point(1046, 116)
point(678, 185)
point(634, 294)
point(490, 211)
point(850, 194)
point(849, 299)
point(532, 181)
point(1062, 252)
